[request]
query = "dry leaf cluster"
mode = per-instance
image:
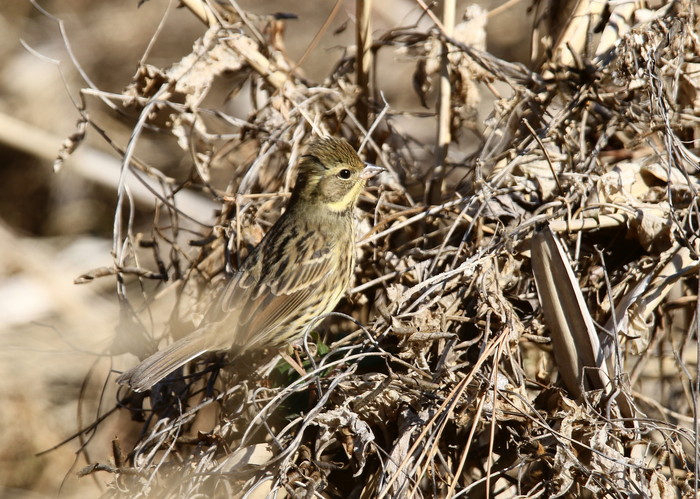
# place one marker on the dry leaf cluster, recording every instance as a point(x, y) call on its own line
point(524, 316)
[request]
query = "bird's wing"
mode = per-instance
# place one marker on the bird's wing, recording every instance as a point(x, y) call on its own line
point(277, 291)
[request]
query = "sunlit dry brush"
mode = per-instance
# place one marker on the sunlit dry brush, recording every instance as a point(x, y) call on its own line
point(523, 317)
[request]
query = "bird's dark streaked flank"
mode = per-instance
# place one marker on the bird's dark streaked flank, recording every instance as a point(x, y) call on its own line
point(299, 271)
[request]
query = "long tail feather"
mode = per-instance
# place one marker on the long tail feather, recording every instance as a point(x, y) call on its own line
point(160, 364)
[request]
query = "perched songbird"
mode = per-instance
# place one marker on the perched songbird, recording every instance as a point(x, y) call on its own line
point(299, 270)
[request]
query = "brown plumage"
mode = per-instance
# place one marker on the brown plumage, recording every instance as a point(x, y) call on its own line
point(299, 271)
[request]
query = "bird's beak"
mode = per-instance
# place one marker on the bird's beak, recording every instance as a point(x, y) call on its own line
point(371, 170)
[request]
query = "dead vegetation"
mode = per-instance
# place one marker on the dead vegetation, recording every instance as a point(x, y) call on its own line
point(524, 319)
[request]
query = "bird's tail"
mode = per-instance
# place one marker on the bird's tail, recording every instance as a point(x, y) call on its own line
point(160, 364)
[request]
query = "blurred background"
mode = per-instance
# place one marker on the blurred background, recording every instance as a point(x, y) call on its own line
point(57, 225)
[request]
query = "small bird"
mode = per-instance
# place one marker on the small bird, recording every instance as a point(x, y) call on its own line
point(299, 270)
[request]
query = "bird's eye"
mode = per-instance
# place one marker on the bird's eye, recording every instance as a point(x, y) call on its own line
point(344, 173)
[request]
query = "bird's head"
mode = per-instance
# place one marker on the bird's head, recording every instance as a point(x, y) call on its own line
point(332, 174)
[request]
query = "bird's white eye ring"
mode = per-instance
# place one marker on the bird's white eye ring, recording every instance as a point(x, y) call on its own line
point(345, 173)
